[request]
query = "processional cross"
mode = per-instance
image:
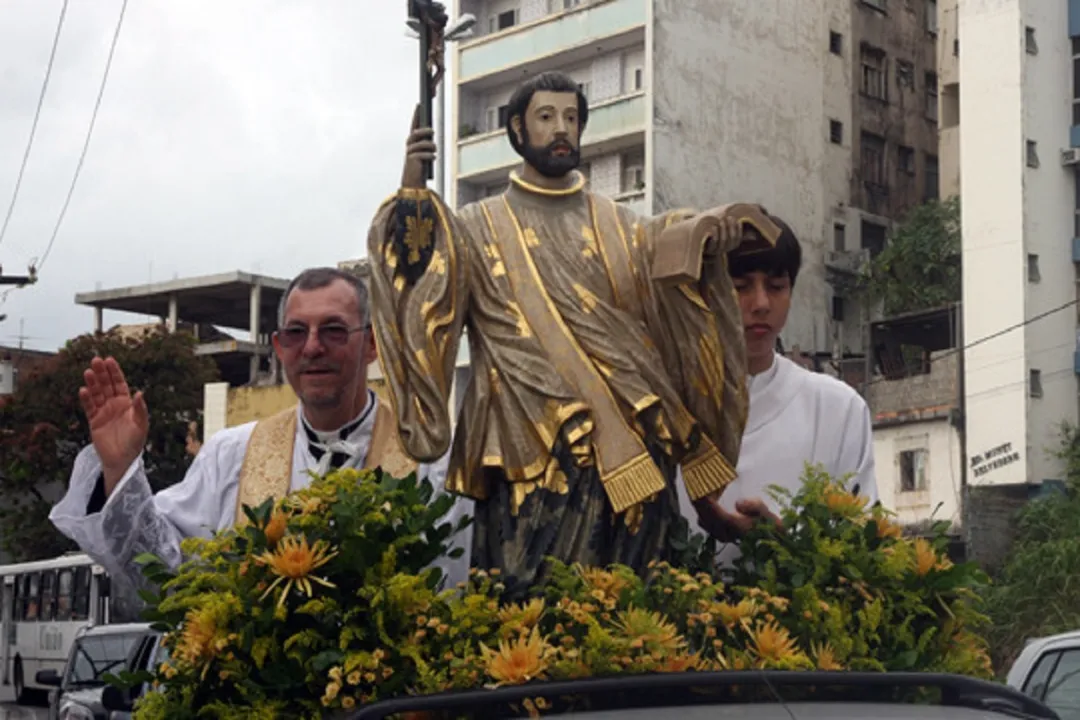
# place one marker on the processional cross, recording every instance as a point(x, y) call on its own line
point(430, 24)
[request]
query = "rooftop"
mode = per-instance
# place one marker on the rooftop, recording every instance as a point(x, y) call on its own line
point(221, 300)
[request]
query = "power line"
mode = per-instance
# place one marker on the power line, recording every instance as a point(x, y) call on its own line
point(991, 336)
point(33, 126)
point(89, 134)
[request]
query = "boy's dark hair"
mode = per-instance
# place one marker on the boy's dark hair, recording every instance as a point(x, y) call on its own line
point(551, 82)
point(783, 259)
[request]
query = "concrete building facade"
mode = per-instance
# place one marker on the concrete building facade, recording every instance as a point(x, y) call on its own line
point(1011, 141)
point(816, 109)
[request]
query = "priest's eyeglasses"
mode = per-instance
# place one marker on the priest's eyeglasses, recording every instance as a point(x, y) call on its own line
point(330, 335)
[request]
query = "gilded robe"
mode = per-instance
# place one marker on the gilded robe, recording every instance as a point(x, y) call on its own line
point(592, 382)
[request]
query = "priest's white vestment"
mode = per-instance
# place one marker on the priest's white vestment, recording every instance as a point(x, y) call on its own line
point(133, 520)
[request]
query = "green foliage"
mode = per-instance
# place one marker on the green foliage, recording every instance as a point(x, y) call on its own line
point(43, 427)
point(880, 601)
point(919, 269)
point(1036, 590)
point(323, 602)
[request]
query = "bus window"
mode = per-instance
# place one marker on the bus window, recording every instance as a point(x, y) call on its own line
point(64, 591)
point(48, 595)
point(16, 587)
point(32, 599)
point(81, 600)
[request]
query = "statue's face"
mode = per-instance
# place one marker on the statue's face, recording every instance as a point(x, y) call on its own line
point(551, 133)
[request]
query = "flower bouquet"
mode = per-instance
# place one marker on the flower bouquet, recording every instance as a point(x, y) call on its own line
point(328, 600)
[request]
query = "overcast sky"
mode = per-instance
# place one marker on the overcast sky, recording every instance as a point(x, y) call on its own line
point(257, 135)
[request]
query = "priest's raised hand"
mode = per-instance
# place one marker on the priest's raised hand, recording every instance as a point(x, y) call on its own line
point(119, 421)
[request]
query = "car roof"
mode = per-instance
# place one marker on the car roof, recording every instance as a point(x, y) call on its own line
point(797, 711)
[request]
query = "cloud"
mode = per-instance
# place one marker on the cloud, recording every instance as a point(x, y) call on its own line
point(251, 134)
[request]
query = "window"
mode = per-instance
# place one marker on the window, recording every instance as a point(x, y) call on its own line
point(931, 96)
point(31, 596)
point(1035, 389)
point(950, 105)
point(1035, 684)
point(502, 21)
point(64, 592)
point(1063, 687)
point(873, 237)
point(931, 17)
point(1033, 268)
point(956, 47)
point(872, 157)
point(913, 470)
point(1030, 45)
point(94, 656)
point(932, 178)
point(837, 308)
point(639, 78)
point(836, 132)
point(1032, 154)
point(497, 117)
point(81, 601)
point(872, 60)
point(836, 43)
point(905, 74)
point(839, 239)
point(633, 178)
point(905, 159)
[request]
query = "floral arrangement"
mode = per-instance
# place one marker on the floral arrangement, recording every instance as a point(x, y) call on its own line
point(326, 600)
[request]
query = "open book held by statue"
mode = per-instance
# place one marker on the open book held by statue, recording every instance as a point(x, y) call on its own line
point(606, 347)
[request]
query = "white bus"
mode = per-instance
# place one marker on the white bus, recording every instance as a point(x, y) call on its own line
point(43, 605)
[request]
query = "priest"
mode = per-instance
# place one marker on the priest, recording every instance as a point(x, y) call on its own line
point(606, 347)
point(324, 343)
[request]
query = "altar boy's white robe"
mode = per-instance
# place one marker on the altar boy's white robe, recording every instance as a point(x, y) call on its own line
point(797, 417)
point(133, 520)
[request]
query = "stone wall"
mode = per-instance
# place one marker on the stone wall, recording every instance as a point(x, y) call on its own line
point(989, 522)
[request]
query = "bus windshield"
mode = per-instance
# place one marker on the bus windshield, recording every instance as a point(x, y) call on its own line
point(96, 656)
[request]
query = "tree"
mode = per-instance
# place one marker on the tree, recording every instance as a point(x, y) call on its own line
point(919, 269)
point(42, 427)
point(1034, 594)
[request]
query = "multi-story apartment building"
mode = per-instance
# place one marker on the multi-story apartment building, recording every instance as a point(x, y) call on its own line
point(817, 109)
point(1010, 104)
point(1010, 146)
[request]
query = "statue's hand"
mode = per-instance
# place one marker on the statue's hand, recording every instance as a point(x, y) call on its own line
point(419, 148)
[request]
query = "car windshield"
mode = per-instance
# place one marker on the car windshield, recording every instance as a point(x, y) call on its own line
point(94, 657)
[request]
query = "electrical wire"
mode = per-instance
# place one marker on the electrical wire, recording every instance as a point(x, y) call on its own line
point(991, 336)
point(89, 135)
point(33, 126)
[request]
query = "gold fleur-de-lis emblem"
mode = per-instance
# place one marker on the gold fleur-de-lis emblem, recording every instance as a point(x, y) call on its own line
point(497, 269)
point(588, 300)
point(531, 239)
point(591, 248)
point(438, 263)
point(417, 236)
point(523, 328)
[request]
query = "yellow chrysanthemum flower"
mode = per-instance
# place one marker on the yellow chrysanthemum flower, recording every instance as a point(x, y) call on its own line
point(293, 561)
point(648, 630)
point(772, 643)
point(518, 661)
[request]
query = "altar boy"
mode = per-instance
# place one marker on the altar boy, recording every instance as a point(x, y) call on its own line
point(796, 416)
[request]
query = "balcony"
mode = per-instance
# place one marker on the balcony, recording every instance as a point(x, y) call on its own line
point(612, 123)
point(846, 262)
point(635, 200)
point(497, 57)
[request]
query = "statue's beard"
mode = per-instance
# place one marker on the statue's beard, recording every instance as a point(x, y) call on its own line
point(546, 162)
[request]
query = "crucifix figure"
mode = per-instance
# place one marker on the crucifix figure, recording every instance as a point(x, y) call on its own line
point(430, 18)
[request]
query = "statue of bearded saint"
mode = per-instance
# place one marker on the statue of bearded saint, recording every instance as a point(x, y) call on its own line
point(606, 348)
